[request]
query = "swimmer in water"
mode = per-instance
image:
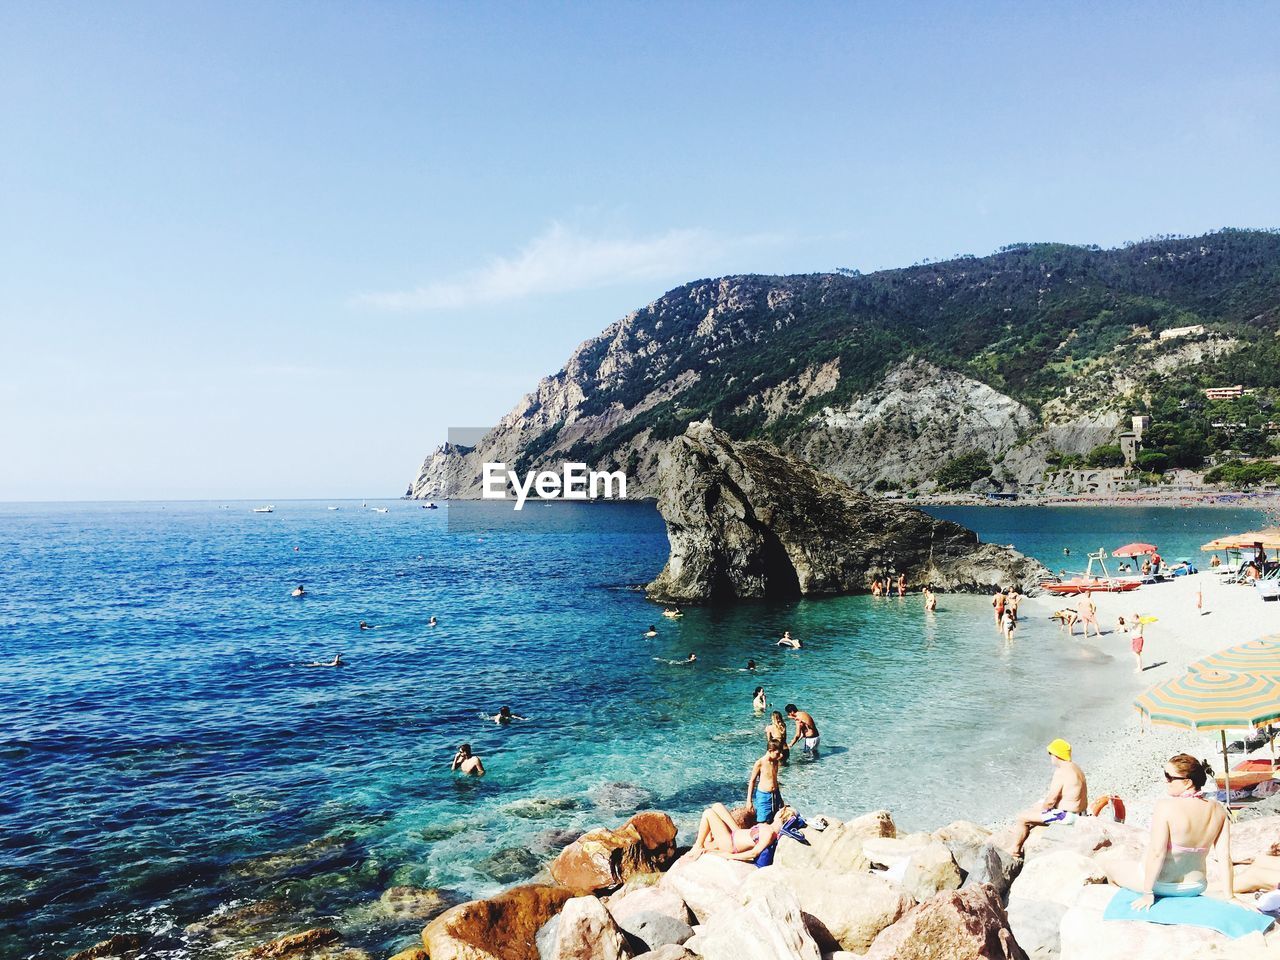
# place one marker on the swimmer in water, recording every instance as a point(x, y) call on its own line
point(693, 657)
point(465, 761)
point(787, 640)
point(504, 716)
point(652, 631)
point(335, 662)
point(365, 626)
point(758, 701)
point(300, 592)
point(751, 666)
point(672, 612)
point(930, 600)
point(431, 622)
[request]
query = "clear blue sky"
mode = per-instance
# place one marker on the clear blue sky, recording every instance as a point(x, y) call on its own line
point(272, 250)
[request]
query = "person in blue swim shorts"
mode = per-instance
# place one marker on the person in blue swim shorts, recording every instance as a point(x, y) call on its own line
point(764, 793)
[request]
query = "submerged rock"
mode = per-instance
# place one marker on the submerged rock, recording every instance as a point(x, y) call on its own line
point(412, 903)
point(746, 521)
point(321, 854)
point(241, 921)
point(510, 864)
point(305, 943)
point(620, 797)
point(120, 945)
point(538, 808)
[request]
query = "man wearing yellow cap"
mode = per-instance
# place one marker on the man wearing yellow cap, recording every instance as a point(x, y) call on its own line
point(1067, 799)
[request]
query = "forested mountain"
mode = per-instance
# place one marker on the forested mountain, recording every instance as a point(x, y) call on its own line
point(1005, 369)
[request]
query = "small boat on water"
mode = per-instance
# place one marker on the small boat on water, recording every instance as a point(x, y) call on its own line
point(430, 505)
point(268, 509)
point(334, 508)
point(379, 509)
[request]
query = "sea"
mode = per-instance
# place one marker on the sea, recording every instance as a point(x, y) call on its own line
point(167, 756)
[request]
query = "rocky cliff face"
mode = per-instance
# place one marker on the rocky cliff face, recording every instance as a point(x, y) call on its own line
point(1024, 356)
point(747, 521)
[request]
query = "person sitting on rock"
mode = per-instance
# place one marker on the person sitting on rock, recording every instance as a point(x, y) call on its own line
point(1066, 800)
point(466, 762)
point(1185, 826)
point(720, 834)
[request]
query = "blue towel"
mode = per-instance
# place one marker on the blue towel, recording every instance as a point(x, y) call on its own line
point(1230, 919)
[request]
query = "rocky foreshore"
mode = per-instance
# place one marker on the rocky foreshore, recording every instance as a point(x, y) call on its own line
point(859, 888)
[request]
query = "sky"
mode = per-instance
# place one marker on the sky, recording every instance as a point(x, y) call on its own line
point(277, 250)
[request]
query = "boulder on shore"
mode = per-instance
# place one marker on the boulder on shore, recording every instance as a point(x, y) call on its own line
point(745, 521)
point(602, 859)
point(957, 924)
point(500, 928)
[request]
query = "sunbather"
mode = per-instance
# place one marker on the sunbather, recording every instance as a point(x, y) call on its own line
point(1066, 799)
point(718, 833)
point(1185, 826)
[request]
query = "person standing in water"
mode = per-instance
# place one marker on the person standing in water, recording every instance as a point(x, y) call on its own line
point(775, 732)
point(997, 602)
point(764, 794)
point(806, 730)
point(464, 761)
point(758, 701)
point(902, 585)
point(930, 600)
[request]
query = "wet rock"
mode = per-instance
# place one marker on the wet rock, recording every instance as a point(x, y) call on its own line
point(620, 797)
point(412, 903)
point(746, 521)
point(119, 945)
point(294, 945)
point(585, 931)
point(766, 924)
point(242, 921)
point(538, 808)
point(510, 864)
point(957, 924)
point(499, 928)
point(602, 859)
point(553, 841)
point(842, 911)
point(323, 854)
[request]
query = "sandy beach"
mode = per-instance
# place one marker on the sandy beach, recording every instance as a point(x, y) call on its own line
point(1118, 756)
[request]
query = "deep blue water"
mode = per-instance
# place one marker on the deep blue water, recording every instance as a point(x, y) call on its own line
point(160, 739)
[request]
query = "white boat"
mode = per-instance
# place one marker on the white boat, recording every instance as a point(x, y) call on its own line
point(334, 508)
point(270, 509)
point(379, 509)
point(430, 505)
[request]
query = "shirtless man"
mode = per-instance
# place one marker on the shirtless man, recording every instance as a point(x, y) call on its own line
point(764, 794)
point(335, 662)
point(1087, 613)
point(1066, 799)
point(806, 729)
point(505, 716)
point(466, 762)
point(787, 640)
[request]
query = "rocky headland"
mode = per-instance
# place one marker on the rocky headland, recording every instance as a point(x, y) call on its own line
point(746, 521)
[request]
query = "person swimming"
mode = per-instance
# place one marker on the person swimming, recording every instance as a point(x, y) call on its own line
point(335, 662)
point(751, 666)
point(431, 622)
point(365, 626)
point(693, 657)
point(299, 592)
point(672, 612)
point(652, 631)
point(787, 640)
point(464, 761)
point(504, 716)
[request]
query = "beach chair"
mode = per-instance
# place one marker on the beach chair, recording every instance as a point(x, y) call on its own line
point(1268, 586)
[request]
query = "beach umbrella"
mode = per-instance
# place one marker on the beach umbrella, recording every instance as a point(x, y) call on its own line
point(1213, 700)
point(1133, 550)
point(1258, 657)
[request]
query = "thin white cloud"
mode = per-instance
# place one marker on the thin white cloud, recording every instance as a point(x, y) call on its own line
point(563, 260)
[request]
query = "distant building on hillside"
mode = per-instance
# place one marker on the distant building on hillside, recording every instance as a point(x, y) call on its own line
point(1173, 333)
point(1140, 426)
point(1129, 447)
point(1224, 393)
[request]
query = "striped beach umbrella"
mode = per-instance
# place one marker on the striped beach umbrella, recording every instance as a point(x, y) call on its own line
point(1213, 700)
point(1257, 657)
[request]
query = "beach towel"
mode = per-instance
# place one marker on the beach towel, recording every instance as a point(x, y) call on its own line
point(1229, 919)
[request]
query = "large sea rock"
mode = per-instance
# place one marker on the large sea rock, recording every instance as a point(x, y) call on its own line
point(746, 521)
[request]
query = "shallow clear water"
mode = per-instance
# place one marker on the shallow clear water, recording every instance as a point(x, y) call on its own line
point(160, 739)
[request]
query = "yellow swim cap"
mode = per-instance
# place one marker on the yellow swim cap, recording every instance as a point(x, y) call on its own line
point(1060, 749)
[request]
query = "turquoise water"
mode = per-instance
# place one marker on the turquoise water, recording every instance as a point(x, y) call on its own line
point(161, 741)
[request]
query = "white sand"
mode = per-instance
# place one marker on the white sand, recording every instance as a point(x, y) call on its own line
point(1117, 756)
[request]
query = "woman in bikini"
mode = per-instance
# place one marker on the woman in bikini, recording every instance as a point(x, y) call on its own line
point(776, 732)
point(720, 834)
point(1184, 828)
